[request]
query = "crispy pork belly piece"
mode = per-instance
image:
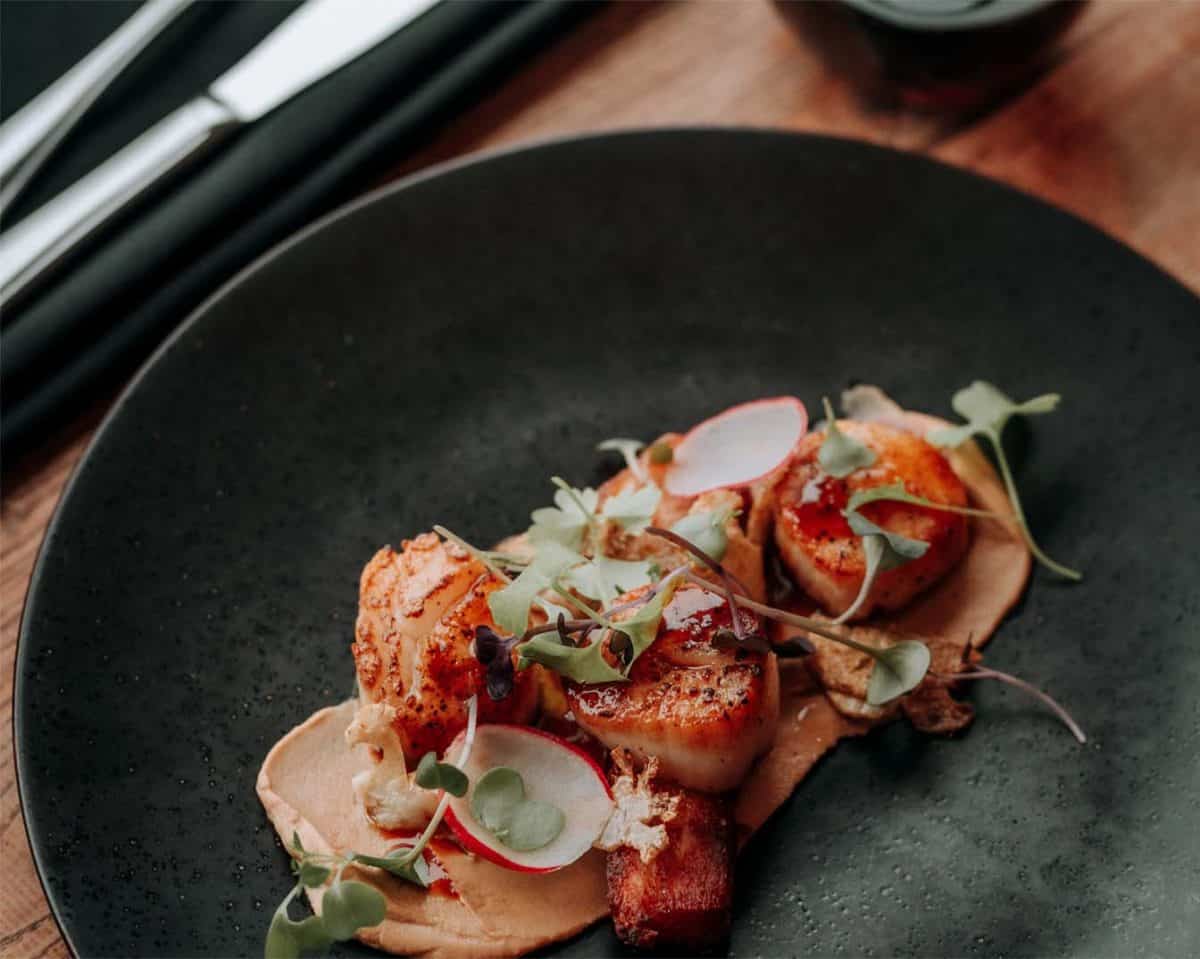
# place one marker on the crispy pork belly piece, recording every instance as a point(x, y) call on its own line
point(821, 551)
point(682, 898)
point(418, 610)
point(705, 713)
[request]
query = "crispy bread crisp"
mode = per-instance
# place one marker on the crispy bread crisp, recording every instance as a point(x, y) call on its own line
point(682, 899)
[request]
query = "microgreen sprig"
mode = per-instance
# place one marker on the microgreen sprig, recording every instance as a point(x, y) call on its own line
point(883, 550)
point(499, 803)
point(987, 410)
point(898, 493)
point(707, 530)
point(841, 454)
point(487, 559)
point(348, 905)
point(629, 450)
point(897, 669)
point(984, 672)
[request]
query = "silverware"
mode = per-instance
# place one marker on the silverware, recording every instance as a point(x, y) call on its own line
point(313, 42)
point(29, 137)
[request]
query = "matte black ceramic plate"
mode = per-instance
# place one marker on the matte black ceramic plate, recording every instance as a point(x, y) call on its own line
point(436, 353)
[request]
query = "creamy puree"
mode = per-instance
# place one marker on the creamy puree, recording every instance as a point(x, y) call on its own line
point(304, 784)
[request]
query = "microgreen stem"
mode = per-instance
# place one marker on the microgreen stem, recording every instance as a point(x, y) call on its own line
point(581, 606)
point(477, 553)
point(985, 672)
point(1019, 513)
point(570, 625)
point(803, 622)
point(692, 548)
point(873, 549)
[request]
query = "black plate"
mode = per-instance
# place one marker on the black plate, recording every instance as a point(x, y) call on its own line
point(435, 354)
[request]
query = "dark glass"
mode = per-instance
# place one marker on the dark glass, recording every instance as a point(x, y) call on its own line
point(941, 56)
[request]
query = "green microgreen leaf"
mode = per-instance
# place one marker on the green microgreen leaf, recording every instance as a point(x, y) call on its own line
point(604, 579)
point(987, 410)
point(660, 454)
point(882, 549)
point(402, 863)
point(497, 793)
point(510, 605)
point(629, 450)
point(348, 906)
point(642, 626)
point(898, 670)
point(841, 454)
point(583, 664)
point(707, 531)
point(633, 509)
point(434, 775)
point(498, 802)
point(565, 522)
point(896, 492)
point(287, 937)
point(534, 824)
point(897, 550)
point(312, 874)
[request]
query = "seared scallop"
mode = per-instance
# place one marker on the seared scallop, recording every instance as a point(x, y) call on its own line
point(705, 712)
point(418, 611)
point(825, 556)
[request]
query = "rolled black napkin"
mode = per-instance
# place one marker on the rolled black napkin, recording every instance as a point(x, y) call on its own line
point(319, 150)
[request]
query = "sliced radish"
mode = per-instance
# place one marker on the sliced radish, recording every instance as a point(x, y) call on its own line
point(736, 447)
point(554, 771)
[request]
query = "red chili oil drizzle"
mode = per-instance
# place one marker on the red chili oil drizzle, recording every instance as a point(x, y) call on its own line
point(818, 515)
point(436, 852)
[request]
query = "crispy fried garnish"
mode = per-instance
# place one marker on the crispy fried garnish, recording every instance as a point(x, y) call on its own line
point(640, 814)
point(683, 897)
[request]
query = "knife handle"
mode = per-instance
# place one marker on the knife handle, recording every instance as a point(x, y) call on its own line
point(31, 250)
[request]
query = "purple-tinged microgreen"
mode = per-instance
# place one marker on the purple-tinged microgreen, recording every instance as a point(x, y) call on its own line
point(728, 580)
point(629, 450)
point(482, 555)
point(897, 493)
point(883, 550)
point(431, 774)
point(660, 453)
point(841, 454)
point(987, 411)
point(707, 530)
point(626, 639)
point(984, 672)
point(510, 606)
point(566, 522)
point(902, 671)
point(499, 804)
point(727, 639)
point(632, 509)
point(495, 653)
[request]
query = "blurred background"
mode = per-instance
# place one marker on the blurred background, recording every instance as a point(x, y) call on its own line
point(1091, 106)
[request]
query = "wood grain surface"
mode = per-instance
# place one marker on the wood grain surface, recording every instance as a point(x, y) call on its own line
point(1109, 132)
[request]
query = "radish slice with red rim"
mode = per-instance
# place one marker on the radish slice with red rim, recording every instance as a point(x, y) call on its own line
point(553, 771)
point(737, 447)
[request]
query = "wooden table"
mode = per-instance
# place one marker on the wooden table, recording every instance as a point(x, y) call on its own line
point(1109, 133)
